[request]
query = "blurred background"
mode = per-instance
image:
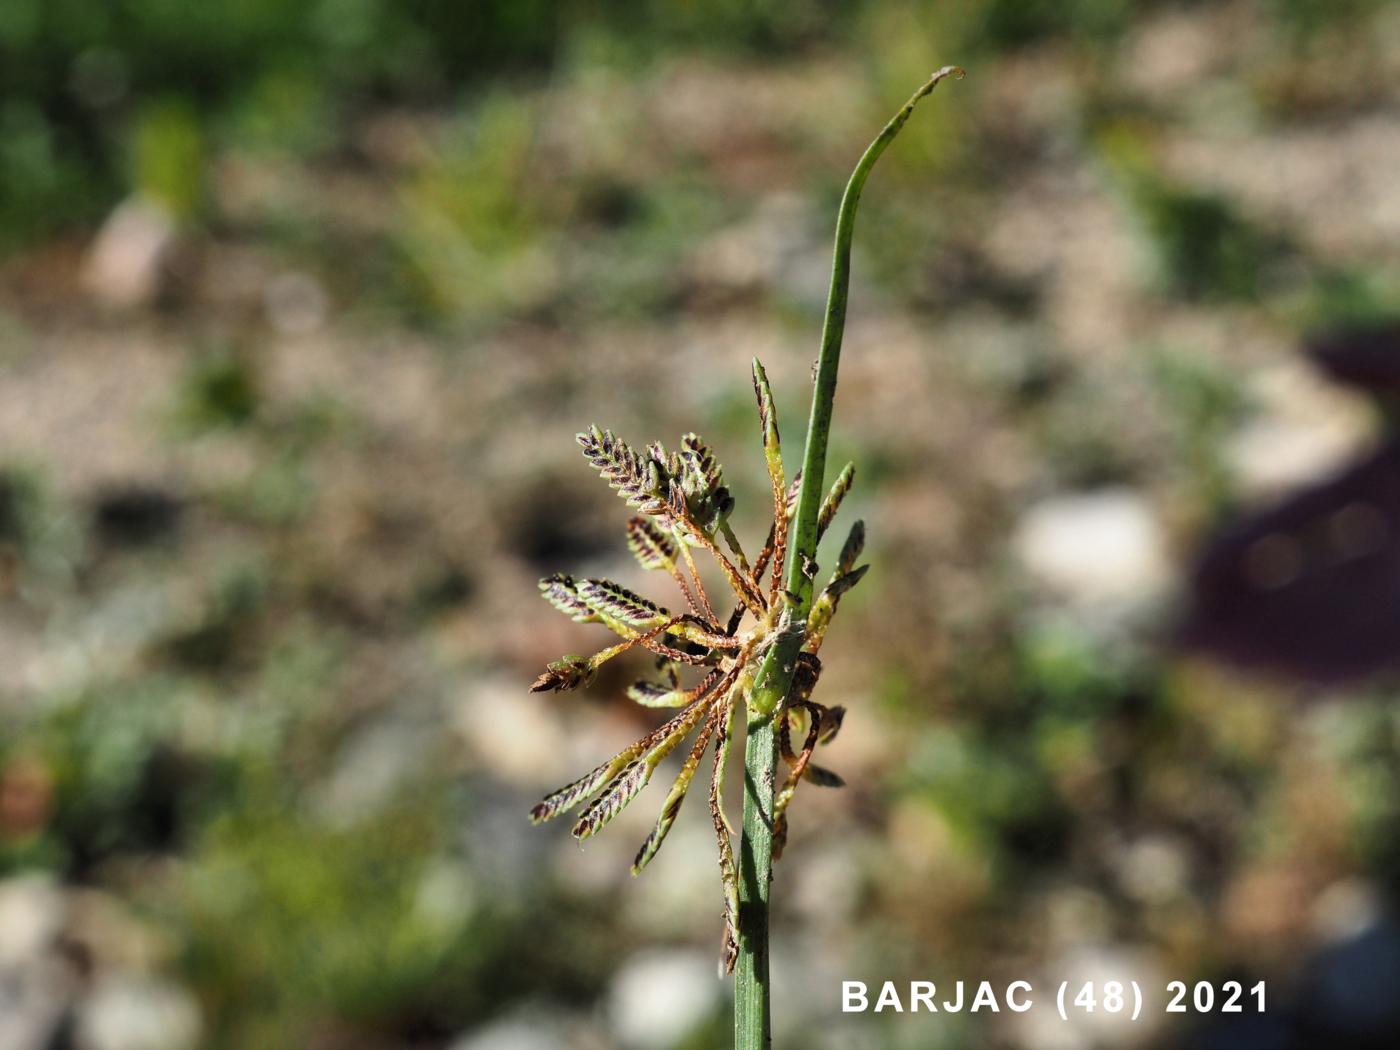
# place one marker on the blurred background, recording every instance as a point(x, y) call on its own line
point(300, 308)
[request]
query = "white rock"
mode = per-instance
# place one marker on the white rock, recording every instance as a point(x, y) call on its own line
point(1042, 1029)
point(1346, 909)
point(506, 731)
point(1304, 429)
point(1099, 547)
point(123, 266)
point(1155, 868)
point(137, 1013)
point(32, 912)
point(659, 996)
point(515, 1033)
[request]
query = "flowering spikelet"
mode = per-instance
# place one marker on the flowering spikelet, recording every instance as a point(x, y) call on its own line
point(701, 486)
point(561, 591)
point(653, 694)
point(832, 503)
point(842, 580)
point(641, 481)
point(653, 548)
point(612, 601)
point(619, 791)
point(672, 806)
point(570, 795)
point(685, 506)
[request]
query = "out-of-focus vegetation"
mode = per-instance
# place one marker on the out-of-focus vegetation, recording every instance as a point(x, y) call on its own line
point(299, 307)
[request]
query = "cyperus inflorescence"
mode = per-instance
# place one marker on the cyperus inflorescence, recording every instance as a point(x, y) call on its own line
point(684, 507)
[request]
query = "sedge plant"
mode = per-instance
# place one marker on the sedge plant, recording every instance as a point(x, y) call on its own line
point(753, 652)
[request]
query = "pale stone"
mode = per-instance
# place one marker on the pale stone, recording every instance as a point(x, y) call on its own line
point(1092, 548)
point(659, 996)
point(123, 266)
point(137, 1013)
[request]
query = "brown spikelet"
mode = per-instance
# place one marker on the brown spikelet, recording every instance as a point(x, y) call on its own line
point(630, 780)
point(832, 717)
point(619, 791)
point(672, 806)
point(773, 457)
point(570, 795)
point(615, 602)
point(794, 490)
point(568, 673)
point(728, 873)
point(799, 763)
point(651, 545)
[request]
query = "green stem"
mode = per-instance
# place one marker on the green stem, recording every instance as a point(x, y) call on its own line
point(774, 678)
point(751, 992)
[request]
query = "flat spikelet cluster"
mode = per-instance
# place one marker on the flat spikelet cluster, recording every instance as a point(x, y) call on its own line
point(683, 506)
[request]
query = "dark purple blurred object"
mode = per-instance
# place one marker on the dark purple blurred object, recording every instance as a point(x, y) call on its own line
point(1310, 587)
point(1347, 998)
point(1367, 357)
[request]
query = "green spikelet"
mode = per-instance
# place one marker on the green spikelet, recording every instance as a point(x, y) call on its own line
point(768, 424)
point(728, 872)
point(641, 480)
point(844, 582)
point(672, 806)
point(703, 472)
point(630, 780)
point(824, 608)
point(614, 602)
point(820, 776)
point(561, 591)
point(570, 795)
point(851, 549)
point(652, 546)
point(654, 694)
point(832, 503)
point(707, 501)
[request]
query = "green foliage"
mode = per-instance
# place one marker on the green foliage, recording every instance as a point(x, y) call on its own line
point(1304, 18)
point(71, 73)
point(350, 922)
point(219, 391)
point(168, 161)
point(472, 228)
point(1206, 248)
point(998, 24)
